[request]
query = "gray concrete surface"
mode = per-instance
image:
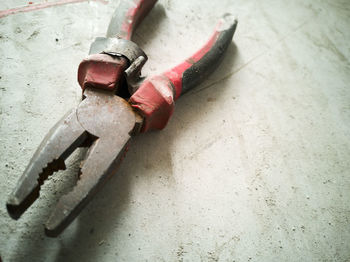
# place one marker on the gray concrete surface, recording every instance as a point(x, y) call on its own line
point(253, 166)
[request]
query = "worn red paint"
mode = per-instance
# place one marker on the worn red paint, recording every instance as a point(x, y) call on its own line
point(155, 97)
point(34, 7)
point(128, 23)
point(154, 101)
point(133, 17)
point(101, 71)
point(175, 74)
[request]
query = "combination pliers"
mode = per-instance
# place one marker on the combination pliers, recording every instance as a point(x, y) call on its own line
point(117, 104)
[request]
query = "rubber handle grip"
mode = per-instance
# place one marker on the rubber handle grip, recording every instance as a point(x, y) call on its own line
point(155, 97)
point(193, 70)
point(128, 16)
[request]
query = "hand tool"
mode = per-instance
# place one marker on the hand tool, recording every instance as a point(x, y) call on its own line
point(117, 104)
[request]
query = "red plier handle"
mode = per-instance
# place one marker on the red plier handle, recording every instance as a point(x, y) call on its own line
point(104, 121)
point(155, 96)
point(128, 16)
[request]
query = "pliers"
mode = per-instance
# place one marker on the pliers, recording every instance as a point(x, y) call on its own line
point(117, 104)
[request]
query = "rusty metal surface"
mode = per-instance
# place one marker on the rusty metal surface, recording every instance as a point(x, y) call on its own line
point(105, 123)
point(118, 47)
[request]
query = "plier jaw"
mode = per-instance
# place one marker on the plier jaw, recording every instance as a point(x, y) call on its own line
point(117, 104)
point(110, 123)
point(105, 123)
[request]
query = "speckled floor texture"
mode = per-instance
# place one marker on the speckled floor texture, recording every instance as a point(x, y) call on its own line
point(253, 166)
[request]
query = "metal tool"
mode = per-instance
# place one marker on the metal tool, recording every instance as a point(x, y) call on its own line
point(117, 104)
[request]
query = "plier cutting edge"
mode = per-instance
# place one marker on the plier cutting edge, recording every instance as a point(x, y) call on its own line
point(117, 104)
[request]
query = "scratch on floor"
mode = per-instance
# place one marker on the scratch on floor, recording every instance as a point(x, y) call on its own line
point(34, 7)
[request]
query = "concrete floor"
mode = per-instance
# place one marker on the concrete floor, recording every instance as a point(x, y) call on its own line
point(253, 166)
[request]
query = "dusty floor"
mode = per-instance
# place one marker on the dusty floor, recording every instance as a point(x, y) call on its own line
point(253, 166)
